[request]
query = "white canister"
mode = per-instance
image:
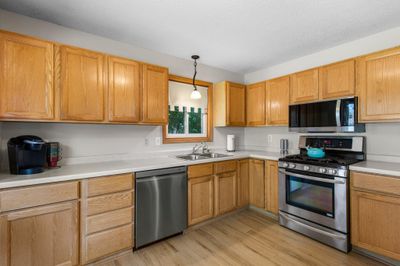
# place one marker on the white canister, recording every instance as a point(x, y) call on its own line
point(230, 142)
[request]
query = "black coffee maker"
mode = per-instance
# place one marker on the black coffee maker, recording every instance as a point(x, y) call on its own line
point(26, 155)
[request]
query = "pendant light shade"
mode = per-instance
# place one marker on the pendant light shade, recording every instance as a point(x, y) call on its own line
point(195, 93)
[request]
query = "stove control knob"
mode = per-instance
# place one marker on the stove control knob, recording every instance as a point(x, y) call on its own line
point(285, 165)
point(306, 167)
point(322, 170)
point(332, 171)
point(292, 165)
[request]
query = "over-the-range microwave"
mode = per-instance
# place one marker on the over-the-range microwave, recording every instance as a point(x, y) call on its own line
point(326, 116)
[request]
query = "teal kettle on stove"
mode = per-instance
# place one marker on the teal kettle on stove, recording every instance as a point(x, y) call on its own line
point(315, 153)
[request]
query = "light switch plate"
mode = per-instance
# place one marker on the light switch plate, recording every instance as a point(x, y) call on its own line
point(158, 141)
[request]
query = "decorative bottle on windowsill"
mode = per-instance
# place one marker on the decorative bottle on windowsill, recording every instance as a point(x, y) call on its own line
point(230, 143)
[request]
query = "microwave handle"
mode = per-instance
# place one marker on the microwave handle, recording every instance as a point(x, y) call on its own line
point(338, 107)
point(324, 180)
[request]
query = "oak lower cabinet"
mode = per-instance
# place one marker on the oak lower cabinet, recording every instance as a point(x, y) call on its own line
point(26, 83)
point(124, 101)
point(200, 194)
point(255, 104)
point(277, 101)
point(257, 183)
point(41, 227)
point(154, 94)
point(378, 83)
point(375, 214)
point(304, 86)
point(107, 215)
point(271, 187)
point(229, 104)
point(225, 187)
point(243, 183)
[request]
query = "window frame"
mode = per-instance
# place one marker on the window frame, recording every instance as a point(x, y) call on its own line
point(209, 135)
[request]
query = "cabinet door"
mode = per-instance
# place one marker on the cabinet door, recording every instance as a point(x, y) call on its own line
point(123, 90)
point(337, 80)
point(225, 192)
point(26, 78)
point(271, 187)
point(255, 107)
point(375, 223)
point(243, 183)
point(155, 94)
point(200, 199)
point(304, 86)
point(45, 236)
point(81, 84)
point(257, 183)
point(378, 83)
point(236, 104)
point(278, 101)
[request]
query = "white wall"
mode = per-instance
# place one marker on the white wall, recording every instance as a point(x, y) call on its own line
point(372, 43)
point(101, 142)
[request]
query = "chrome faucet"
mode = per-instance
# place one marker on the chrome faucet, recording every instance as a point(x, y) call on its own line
point(203, 146)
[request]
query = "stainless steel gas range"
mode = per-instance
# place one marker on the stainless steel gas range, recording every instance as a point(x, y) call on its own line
point(314, 193)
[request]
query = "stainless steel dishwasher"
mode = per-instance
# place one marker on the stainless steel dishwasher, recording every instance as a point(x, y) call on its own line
point(161, 204)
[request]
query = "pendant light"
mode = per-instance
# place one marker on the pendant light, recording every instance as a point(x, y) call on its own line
point(195, 93)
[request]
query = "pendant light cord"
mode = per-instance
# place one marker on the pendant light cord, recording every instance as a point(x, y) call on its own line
point(195, 73)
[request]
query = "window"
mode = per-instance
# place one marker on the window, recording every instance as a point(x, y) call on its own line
point(189, 120)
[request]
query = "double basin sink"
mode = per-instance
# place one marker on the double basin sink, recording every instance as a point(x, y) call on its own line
point(202, 156)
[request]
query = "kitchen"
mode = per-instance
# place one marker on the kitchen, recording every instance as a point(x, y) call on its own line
point(234, 203)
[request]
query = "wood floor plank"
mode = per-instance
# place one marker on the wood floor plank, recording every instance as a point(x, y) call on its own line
point(244, 238)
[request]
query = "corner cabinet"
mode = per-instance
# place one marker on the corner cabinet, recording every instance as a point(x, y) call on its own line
point(229, 104)
point(304, 86)
point(277, 101)
point(81, 84)
point(155, 94)
point(375, 213)
point(26, 78)
point(255, 104)
point(124, 102)
point(378, 83)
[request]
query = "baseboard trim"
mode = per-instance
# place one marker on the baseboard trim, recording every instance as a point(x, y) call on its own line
point(377, 257)
point(263, 212)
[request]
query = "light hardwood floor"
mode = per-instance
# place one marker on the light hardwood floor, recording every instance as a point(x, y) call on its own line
point(245, 238)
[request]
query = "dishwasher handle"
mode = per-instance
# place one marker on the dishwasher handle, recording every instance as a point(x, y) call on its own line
point(161, 172)
point(156, 178)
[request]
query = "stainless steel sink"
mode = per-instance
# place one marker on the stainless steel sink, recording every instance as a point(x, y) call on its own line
point(195, 157)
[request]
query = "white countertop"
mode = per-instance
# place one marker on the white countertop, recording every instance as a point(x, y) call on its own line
point(377, 167)
point(81, 171)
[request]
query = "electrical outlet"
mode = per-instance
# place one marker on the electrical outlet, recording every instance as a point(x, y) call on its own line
point(146, 141)
point(158, 141)
point(269, 139)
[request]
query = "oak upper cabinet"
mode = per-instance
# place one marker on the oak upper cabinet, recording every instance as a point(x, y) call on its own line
point(378, 83)
point(155, 94)
point(229, 104)
point(304, 86)
point(257, 183)
point(271, 187)
point(337, 80)
point(375, 214)
point(82, 86)
point(200, 193)
point(123, 90)
point(243, 183)
point(277, 101)
point(255, 104)
point(225, 186)
point(26, 83)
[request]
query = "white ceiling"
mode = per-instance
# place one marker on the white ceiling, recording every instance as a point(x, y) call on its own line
point(237, 35)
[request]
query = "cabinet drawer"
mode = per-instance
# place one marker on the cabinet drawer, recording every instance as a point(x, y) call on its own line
point(200, 170)
point(109, 184)
point(107, 242)
point(20, 198)
point(108, 220)
point(223, 167)
point(109, 202)
point(384, 184)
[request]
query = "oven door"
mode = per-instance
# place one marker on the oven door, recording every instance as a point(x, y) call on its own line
point(317, 198)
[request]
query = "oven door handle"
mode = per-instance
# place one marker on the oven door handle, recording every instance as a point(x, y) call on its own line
point(324, 180)
point(313, 228)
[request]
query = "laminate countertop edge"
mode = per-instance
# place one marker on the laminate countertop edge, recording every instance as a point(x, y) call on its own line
point(90, 170)
point(377, 167)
